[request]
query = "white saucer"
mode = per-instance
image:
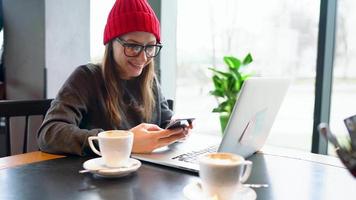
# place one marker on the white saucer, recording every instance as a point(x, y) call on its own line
point(193, 191)
point(97, 166)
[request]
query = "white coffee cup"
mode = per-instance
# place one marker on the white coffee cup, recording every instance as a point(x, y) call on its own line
point(222, 174)
point(115, 147)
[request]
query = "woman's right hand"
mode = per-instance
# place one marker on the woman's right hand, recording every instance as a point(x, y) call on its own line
point(148, 137)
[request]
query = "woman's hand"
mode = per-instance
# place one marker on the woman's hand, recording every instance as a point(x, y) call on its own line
point(148, 137)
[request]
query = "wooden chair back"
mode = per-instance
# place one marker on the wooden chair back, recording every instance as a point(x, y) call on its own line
point(11, 109)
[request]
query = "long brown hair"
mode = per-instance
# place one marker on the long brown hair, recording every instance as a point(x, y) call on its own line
point(114, 94)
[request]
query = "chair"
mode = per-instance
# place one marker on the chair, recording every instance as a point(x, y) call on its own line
point(2, 90)
point(170, 103)
point(11, 109)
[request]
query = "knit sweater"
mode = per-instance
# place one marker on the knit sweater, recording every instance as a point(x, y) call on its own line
point(79, 111)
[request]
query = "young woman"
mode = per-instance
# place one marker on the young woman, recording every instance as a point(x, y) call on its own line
point(120, 93)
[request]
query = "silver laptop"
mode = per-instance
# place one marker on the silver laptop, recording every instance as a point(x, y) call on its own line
point(246, 132)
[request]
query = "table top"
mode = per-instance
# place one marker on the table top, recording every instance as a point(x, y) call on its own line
point(288, 177)
point(27, 158)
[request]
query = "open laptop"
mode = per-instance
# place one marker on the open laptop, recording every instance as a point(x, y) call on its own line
point(246, 132)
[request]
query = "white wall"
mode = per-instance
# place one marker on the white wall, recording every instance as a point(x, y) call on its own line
point(67, 40)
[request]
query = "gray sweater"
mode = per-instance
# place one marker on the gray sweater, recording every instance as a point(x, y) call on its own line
point(79, 111)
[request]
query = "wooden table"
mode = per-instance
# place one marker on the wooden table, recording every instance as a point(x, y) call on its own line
point(27, 158)
point(289, 174)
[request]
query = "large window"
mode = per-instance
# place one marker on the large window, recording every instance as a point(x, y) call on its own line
point(343, 102)
point(281, 35)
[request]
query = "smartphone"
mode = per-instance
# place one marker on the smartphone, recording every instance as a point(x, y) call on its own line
point(179, 123)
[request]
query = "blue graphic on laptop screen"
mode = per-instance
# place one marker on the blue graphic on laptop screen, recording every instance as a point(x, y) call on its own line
point(253, 127)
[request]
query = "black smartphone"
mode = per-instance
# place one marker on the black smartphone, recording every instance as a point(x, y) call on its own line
point(179, 123)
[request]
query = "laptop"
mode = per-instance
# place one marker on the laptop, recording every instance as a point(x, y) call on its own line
point(246, 132)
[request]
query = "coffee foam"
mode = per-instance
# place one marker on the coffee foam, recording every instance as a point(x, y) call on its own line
point(222, 158)
point(114, 133)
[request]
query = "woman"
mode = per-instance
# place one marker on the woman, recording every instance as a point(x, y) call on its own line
point(120, 93)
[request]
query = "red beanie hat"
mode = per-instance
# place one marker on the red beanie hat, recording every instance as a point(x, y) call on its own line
point(129, 16)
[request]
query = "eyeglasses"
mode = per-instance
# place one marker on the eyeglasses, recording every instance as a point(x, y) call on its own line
point(133, 50)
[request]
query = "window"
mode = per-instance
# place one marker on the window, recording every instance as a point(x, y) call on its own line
point(281, 35)
point(343, 102)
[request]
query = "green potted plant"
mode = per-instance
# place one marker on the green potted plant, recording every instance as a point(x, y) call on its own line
point(227, 85)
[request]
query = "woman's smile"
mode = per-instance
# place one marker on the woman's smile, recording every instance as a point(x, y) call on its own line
point(135, 69)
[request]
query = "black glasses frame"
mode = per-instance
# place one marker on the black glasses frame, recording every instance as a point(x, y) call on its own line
point(141, 47)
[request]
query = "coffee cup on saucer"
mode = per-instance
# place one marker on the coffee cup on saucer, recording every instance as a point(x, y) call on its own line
point(115, 147)
point(222, 174)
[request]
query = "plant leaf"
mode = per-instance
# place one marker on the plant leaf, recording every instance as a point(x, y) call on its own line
point(217, 93)
point(237, 86)
point(219, 72)
point(217, 82)
point(247, 60)
point(232, 62)
point(245, 76)
point(232, 81)
point(221, 107)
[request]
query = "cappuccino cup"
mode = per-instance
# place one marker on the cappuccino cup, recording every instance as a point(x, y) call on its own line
point(222, 174)
point(115, 147)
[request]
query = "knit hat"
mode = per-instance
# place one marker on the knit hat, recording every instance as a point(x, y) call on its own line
point(129, 16)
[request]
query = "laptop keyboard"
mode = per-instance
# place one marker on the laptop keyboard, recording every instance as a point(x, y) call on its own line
point(192, 157)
